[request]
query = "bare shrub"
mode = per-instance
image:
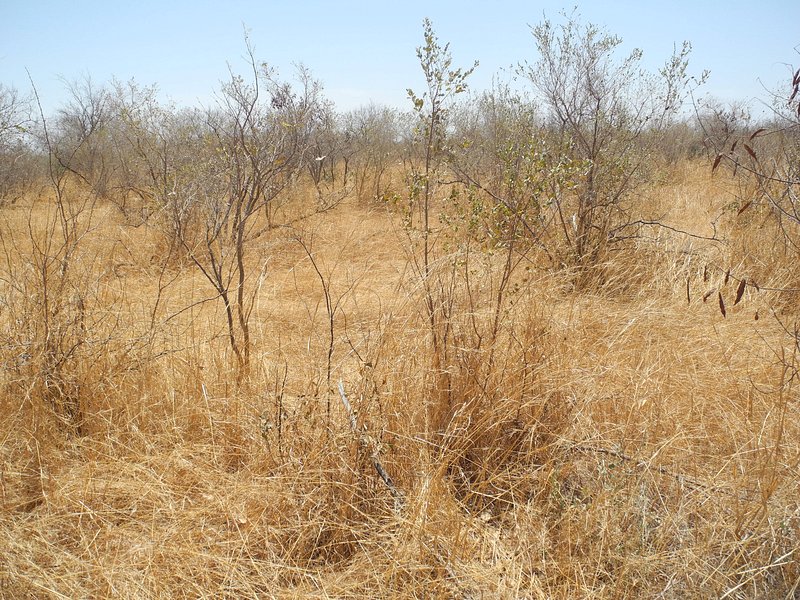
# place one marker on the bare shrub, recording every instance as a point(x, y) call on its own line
point(20, 164)
point(371, 132)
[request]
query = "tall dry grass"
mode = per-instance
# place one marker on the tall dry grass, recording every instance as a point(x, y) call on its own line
point(621, 441)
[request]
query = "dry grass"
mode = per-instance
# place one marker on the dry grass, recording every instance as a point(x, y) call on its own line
point(617, 442)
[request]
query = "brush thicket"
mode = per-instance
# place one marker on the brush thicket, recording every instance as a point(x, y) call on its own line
point(625, 439)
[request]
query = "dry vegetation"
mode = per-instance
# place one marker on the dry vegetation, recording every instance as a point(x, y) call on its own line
point(624, 425)
point(624, 442)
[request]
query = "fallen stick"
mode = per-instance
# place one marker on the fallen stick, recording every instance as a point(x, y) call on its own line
point(367, 442)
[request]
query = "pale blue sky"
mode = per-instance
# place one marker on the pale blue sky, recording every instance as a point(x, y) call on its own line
point(364, 51)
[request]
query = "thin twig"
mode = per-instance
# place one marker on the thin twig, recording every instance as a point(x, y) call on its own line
point(643, 222)
point(680, 477)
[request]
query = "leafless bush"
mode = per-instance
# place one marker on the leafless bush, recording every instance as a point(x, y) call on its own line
point(722, 123)
point(371, 132)
point(19, 162)
point(248, 150)
point(46, 291)
point(329, 158)
point(80, 136)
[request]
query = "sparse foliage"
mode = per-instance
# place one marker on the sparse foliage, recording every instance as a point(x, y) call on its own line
point(765, 161)
point(601, 110)
point(431, 108)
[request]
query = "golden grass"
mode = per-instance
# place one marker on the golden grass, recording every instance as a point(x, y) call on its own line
point(617, 442)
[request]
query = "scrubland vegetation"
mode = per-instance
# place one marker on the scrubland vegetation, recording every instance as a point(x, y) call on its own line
point(536, 343)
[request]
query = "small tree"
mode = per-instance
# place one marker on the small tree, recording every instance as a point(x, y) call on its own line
point(215, 177)
point(431, 110)
point(14, 113)
point(769, 159)
point(601, 110)
point(511, 174)
point(143, 147)
point(511, 182)
point(249, 150)
point(81, 136)
point(767, 162)
point(328, 159)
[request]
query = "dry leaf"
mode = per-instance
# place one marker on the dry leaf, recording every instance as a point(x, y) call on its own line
point(708, 295)
point(688, 297)
point(727, 277)
point(757, 132)
point(750, 152)
point(716, 162)
point(744, 208)
point(722, 306)
point(740, 291)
